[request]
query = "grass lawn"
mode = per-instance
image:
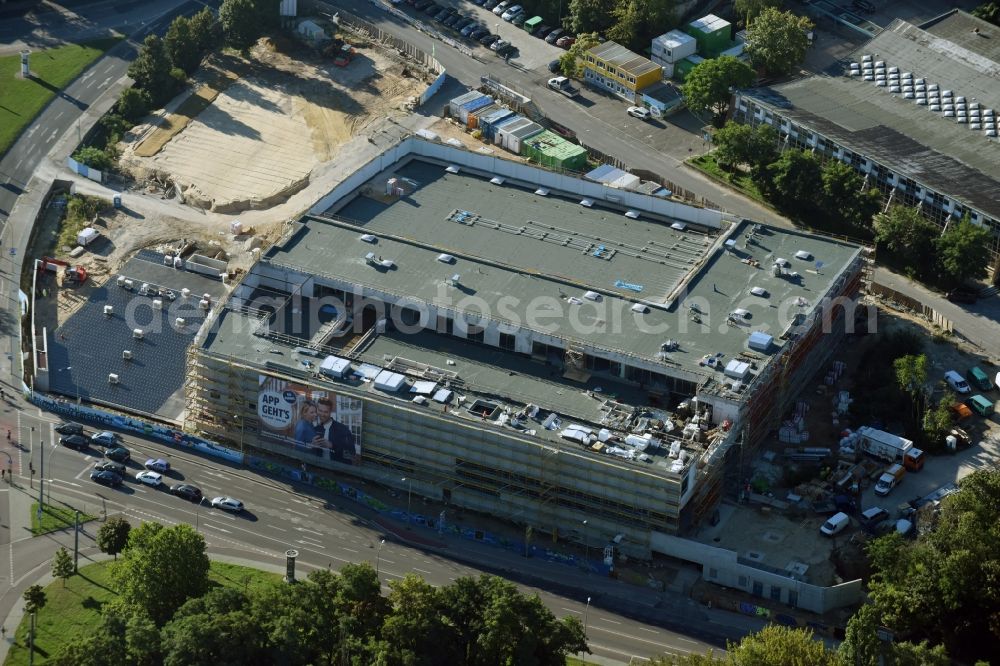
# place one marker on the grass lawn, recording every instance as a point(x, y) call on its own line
point(74, 610)
point(22, 99)
point(741, 181)
point(55, 517)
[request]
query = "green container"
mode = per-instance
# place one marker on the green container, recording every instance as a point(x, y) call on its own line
point(683, 68)
point(712, 33)
point(551, 150)
point(532, 24)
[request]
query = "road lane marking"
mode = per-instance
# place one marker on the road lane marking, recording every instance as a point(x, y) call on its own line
point(571, 610)
point(639, 638)
point(350, 550)
point(652, 631)
point(215, 527)
point(306, 529)
point(306, 515)
point(18, 165)
point(387, 561)
point(423, 571)
point(314, 545)
point(604, 619)
point(60, 114)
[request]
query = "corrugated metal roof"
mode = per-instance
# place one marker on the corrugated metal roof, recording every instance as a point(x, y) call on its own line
point(908, 138)
point(619, 56)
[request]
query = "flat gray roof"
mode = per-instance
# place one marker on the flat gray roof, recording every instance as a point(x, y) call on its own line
point(955, 160)
point(547, 235)
point(334, 249)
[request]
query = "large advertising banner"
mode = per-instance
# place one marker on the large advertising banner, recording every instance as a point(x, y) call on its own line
point(318, 422)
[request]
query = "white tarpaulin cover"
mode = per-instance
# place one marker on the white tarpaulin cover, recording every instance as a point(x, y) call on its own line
point(389, 381)
point(334, 366)
point(423, 388)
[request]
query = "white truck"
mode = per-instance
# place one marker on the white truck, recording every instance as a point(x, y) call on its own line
point(889, 479)
point(563, 85)
point(890, 448)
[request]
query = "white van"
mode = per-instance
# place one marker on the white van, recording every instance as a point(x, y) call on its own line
point(838, 523)
point(957, 382)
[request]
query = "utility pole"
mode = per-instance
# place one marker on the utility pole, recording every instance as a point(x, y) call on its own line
point(378, 559)
point(41, 474)
point(31, 642)
point(76, 545)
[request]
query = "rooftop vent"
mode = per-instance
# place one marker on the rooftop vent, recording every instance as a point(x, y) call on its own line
point(586, 202)
point(455, 279)
point(542, 192)
point(632, 214)
point(446, 258)
point(113, 378)
point(126, 355)
point(497, 180)
point(640, 308)
point(452, 169)
point(368, 238)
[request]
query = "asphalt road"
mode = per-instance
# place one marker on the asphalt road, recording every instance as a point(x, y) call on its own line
point(59, 116)
point(327, 531)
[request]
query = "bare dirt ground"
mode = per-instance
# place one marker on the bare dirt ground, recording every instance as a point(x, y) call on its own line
point(260, 140)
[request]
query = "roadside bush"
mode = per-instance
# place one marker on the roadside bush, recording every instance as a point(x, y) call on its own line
point(133, 104)
point(178, 76)
point(95, 158)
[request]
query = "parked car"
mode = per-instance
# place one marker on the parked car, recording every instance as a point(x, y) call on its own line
point(497, 44)
point(501, 7)
point(864, 5)
point(110, 466)
point(555, 67)
point(871, 517)
point(957, 382)
point(837, 523)
point(118, 454)
point(104, 438)
point(479, 33)
point(421, 5)
point(566, 41)
point(490, 4)
point(467, 30)
point(963, 295)
point(542, 31)
point(489, 40)
point(506, 50)
point(443, 14)
point(554, 35)
point(431, 8)
point(77, 442)
point(512, 12)
point(157, 465)
point(639, 112)
point(106, 478)
point(519, 19)
point(463, 24)
point(187, 491)
point(227, 504)
point(149, 478)
point(69, 428)
point(453, 20)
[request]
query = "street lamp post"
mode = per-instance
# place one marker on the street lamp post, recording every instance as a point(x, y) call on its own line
point(586, 612)
point(378, 559)
point(409, 498)
point(586, 546)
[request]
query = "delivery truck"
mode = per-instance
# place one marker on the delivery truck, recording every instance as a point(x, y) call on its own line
point(891, 478)
point(891, 448)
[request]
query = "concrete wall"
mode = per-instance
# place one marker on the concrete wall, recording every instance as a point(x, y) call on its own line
point(722, 567)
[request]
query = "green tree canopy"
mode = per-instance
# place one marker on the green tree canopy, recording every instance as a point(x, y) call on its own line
point(244, 21)
point(34, 599)
point(133, 104)
point(637, 22)
point(112, 537)
point(571, 62)
point(940, 588)
point(590, 15)
point(737, 144)
point(206, 31)
point(161, 569)
point(709, 86)
point(963, 252)
point(848, 203)
point(795, 178)
point(748, 10)
point(181, 45)
point(213, 629)
point(777, 41)
point(989, 12)
point(151, 70)
point(62, 565)
point(909, 237)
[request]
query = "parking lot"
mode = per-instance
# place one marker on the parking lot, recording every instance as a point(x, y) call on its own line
point(531, 52)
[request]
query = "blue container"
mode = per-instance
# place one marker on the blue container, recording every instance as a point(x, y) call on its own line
point(489, 122)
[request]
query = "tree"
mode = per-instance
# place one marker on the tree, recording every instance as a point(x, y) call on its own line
point(142, 640)
point(922, 590)
point(590, 15)
point(161, 568)
point(963, 252)
point(151, 70)
point(777, 42)
point(937, 423)
point(94, 157)
point(911, 377)
point(206, 31)
point(113, 536)
point(638, 21)
point(62, 565)
point(737, 144)
point(989, 12)
point(847, 201)
point(570, 62)
point(214, 629)
point(34, 599)
point(181, 45)
point(241, 22)
point(863, 647)
point(748, 10)
point(709, 85)
point(794, 180)
point(133, 104)
point(781, 645)
point(416, 630)
point(909, 237)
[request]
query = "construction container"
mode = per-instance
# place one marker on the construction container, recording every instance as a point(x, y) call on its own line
point(713, 35)
point(488, 124)
point(461, 113)
point(551, 150)
point(473, 120)
point(671, 47)
point(510, 135)
point(684, 67)
point(532, 24)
